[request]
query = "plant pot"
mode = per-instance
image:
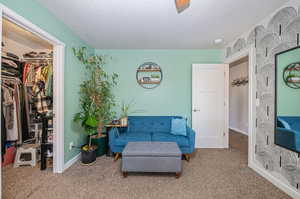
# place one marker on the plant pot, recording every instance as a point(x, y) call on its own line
point(124, 121)
point(101, 143)
point(88, 156)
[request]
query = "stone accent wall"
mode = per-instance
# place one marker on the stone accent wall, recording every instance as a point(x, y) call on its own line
point(281, 33)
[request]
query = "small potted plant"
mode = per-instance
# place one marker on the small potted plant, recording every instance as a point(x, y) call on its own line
point(96, 102)
point(124, 114)
point(155, 78)
point(125, 111)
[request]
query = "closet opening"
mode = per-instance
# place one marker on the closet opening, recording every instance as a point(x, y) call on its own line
point(27, 96)
point(239, 105)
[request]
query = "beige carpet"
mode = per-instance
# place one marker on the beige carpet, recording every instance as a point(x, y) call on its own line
point(238, 141)
point(211, 174)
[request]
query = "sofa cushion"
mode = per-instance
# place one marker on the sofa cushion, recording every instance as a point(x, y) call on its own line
point(149, 123)
point(123, 139)
point(178, 126)
point(164, 137)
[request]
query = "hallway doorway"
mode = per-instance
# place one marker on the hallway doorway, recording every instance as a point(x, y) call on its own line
point(238, 105)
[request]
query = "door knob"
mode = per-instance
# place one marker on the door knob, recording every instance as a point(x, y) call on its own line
point(195, 110)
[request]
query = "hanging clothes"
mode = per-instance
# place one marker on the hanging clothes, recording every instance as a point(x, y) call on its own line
point(8, 108)
point(10, 75)
point(24, 125)
point(26, 99)
point(19, 106)
point(41, 104)
point(13, 133)
point(3, 127)
point(49, 82)
point(28, 74)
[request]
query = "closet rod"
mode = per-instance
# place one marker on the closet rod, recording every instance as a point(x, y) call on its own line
point(29, 59)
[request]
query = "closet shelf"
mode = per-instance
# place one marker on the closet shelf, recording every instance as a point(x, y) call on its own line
point(294, 69)
point(293, 81)
point(10, 58)
point(40, 58)
point(150, 82)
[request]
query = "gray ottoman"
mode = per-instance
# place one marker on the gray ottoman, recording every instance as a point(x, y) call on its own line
point(151, 157)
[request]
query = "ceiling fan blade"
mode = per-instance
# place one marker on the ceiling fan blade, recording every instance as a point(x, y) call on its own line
point(181, 5)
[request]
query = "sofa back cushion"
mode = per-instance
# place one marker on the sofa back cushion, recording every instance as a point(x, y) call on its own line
point(147, 124)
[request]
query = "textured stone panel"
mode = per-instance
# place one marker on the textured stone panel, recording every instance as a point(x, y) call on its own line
point(260, 59)
point(251, 38)
point(280, 48)
point(290, 34)
point(280, 20)
point(268, 43)
point(228, 52)
point(256, 34)
point(239, 45)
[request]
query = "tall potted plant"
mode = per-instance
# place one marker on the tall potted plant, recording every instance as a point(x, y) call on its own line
point(96, 100)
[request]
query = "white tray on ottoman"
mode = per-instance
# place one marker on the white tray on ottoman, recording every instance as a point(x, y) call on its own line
point(151, 157)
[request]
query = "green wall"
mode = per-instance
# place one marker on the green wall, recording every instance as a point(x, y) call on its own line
point(173, 96)
point(74, 71)
point(287, 98)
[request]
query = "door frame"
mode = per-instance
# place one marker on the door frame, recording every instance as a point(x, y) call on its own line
point(226, 101)
point(250, 52)
point(58, 81)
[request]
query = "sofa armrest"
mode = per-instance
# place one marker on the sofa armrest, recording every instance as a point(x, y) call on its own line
point(191, 136)
point(113, 134)
point(288, 138)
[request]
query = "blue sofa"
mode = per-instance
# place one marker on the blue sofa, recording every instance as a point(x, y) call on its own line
point(288, 132)
point(147, 129)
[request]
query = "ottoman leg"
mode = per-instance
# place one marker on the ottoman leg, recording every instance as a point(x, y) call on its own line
point(178, 174)
point(125, 174)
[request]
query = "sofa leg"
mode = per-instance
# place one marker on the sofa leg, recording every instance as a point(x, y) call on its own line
point(177, 174)
point(187, 157)
point(125, 174)
point(117, 156)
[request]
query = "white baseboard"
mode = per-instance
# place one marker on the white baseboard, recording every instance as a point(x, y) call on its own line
point(239, 131)
point(71, 162)
point(274, 180)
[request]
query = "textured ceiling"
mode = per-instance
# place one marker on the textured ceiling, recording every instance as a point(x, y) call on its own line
point(155, 24)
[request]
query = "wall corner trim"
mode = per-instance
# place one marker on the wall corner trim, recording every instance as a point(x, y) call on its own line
point(71, 162)
point(275, 181)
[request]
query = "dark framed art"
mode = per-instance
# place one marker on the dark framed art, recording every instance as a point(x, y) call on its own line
point(287, 99)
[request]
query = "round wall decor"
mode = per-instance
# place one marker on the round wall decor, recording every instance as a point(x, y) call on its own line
point(291, 75)
point(149, 75)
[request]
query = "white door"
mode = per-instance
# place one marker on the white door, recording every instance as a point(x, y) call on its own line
point(208, 104)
